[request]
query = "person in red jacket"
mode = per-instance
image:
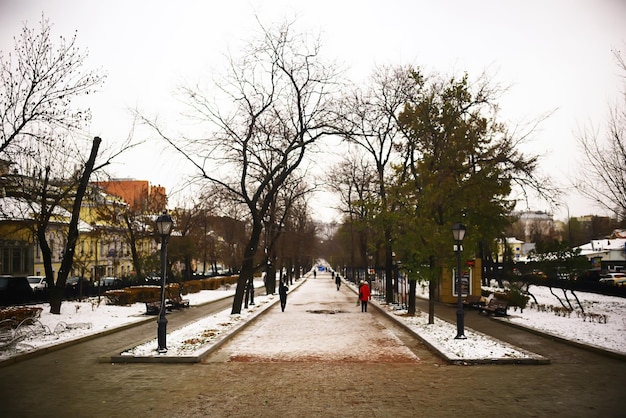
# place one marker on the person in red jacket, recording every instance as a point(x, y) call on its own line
point(364, 295)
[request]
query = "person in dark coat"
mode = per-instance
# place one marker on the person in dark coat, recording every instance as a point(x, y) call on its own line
point(338, 281)
point(282, 293)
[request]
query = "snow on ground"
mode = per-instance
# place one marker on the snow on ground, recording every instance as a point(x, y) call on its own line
point(322, 325)
point(603, 323)
point(589, 329)
point(79, 319)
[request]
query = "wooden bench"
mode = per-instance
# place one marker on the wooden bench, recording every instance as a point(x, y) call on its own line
point(495, 306)
point(473, 301)
point(153, 308)
point(176, 302)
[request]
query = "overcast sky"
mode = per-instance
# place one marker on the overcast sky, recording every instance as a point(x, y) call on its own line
point(553, 54)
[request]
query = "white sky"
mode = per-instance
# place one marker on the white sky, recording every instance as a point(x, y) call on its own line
point(553, 54)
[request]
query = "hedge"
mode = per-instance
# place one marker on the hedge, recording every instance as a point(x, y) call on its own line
point(143, 294)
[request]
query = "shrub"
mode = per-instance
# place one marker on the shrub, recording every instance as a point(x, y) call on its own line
point(517, 299)
point(134, 294)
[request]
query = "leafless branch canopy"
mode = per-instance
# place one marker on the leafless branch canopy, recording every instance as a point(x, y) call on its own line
point(603, 174)
point(39, 82)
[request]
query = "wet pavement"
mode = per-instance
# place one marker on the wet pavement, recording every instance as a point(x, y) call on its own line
point(72, 383)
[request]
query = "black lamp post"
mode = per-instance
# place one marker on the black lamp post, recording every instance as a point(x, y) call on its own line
point(458, 232)
point(164, 226)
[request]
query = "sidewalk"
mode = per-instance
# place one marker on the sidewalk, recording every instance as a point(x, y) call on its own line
point(263, 373)
point(319, 324)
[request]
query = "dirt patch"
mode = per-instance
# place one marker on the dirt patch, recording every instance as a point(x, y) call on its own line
point(326, 311)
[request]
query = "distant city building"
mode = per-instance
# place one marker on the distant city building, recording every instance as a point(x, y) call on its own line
point(139, 194)
point(536, 223)
point(609, 254)
point(515, 246)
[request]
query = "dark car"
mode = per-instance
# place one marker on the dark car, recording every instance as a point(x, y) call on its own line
point(14, 290)
point(77, 285)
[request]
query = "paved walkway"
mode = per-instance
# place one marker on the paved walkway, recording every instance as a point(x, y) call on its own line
point(239, 381)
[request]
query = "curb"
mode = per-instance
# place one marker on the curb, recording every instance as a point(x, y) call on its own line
point(201, 353)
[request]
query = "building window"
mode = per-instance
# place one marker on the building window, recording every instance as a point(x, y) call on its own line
point(13, 259)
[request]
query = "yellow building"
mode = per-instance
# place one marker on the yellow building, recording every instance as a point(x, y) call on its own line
point(471, 276)
point(102, 248)
point(18, 252)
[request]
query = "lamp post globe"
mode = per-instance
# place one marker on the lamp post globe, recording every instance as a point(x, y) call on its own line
point(458, 233)
point(164, 226)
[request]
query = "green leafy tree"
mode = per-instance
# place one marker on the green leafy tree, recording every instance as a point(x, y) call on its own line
point(459, 165)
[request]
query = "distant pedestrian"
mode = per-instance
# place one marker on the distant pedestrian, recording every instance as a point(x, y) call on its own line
point(282, 292)
point(338, 282)
point(314, 274)
point(364, 295)
point(332, 275)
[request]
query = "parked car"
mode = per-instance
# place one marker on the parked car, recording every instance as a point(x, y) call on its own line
point(14, 290)
point(37, 283)
point(612, 278)
point(107, 282)
point(74, 283)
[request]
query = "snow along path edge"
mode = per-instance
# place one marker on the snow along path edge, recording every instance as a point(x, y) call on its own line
point(202, 352)
point(529, 359)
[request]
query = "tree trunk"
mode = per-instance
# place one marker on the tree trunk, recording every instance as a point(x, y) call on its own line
point(72, 235)
point(247, 271)
point(270, 278)
point(432, 289)
point(391, 283)
point(137, 265)
point(412, 289)
point(247, 267)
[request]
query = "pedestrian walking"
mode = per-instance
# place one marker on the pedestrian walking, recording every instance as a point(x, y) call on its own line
point(364, 295)
point(282, 293)
point(314, 274)
point(338, 282)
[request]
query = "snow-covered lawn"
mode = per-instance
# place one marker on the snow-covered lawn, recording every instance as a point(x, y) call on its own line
point(543, 315)
point(602, 324)
point(79, 319)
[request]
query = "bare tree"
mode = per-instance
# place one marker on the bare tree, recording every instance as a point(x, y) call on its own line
point(49, 200)
point(289, 199)
point(273, 108)
point(603, 174)
point(41, 136)
point(354, 180)
point(370, 120)
point(39, 82)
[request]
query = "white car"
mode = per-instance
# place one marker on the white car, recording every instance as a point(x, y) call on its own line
point(107, 281)
point(37, 283)
point(612, 278)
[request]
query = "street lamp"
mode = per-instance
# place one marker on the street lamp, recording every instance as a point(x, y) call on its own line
point(164, 226)
point(458, 232)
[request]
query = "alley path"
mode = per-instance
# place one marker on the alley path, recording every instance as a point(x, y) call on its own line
point(320, 324)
